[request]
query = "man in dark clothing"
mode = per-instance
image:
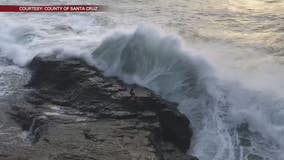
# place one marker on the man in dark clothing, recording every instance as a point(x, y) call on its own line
point(132, 93)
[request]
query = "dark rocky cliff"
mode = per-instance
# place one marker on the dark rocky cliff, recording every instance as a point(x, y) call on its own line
point(73, 112)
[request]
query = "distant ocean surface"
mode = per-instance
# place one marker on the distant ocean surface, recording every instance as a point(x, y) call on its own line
point(222, 61)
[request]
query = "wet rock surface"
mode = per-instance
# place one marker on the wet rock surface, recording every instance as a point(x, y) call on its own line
point(73, 112)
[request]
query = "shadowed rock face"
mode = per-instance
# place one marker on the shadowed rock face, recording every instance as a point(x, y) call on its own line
point(73, 112)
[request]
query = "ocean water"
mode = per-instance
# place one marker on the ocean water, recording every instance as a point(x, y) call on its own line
point(221, 61)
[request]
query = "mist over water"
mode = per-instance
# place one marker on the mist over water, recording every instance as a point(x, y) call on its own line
point(222, 61)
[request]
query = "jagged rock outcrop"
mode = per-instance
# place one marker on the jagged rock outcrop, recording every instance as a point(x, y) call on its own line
point(73, 112)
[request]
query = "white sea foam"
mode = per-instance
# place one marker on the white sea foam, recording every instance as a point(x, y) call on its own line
point(216, 108)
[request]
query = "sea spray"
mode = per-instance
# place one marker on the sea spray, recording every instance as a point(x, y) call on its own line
point(216, 108)
point(160, 62)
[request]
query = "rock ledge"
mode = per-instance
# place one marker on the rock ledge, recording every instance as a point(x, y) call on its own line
point(73, 112)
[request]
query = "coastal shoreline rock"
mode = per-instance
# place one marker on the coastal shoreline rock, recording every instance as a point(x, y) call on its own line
point(74, 112)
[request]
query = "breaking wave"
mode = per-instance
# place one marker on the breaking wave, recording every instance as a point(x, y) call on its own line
point(230, 122)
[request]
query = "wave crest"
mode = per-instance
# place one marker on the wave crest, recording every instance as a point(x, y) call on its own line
point(148, 58)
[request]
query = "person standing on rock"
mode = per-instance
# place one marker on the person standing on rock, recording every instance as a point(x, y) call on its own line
point(132, 93)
